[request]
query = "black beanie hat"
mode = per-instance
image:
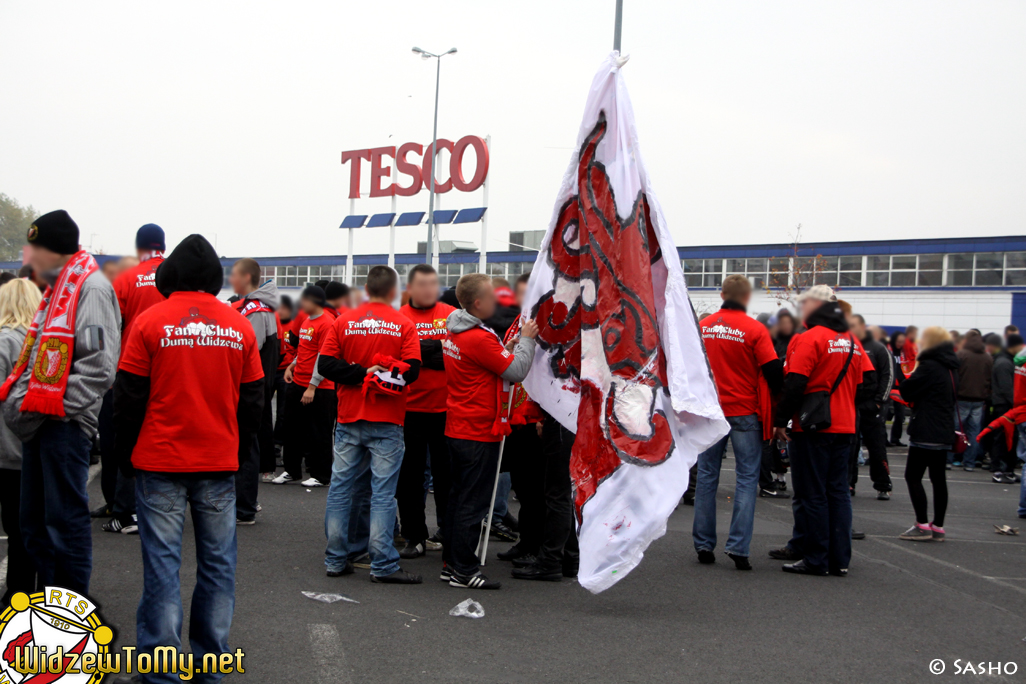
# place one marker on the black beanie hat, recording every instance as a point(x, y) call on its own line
point(1013, 340)
point(192, 267)
point(314, 294)
point(55, 231)
point(334, 290)
point(150, 237)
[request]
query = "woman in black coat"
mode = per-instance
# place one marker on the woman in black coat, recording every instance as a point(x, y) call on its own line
point(930, 390)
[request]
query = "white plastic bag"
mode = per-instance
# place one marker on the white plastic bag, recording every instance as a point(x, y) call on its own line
point(469, 608)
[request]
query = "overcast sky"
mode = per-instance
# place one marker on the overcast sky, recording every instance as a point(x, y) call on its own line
point(858, 120)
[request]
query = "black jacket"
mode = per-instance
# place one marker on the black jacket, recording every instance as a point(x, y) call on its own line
point(1002, 383)
point(877, 385)
point(931, 391)
point(192, 266)
point(975, 367)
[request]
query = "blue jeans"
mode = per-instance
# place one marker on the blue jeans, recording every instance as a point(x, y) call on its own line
point(970, 418)
point(746, 436)
point(502, 496)
point(1021, 449)
point(160, 501)
point(819, 473)
point(359, 447)
point(54, 512)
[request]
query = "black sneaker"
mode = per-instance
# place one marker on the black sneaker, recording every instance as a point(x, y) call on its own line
point(128, 526)
point(857, 535)
point(525, 561)
point(412, 550)
point(1009, 479)
point(512, 553)
point(883, 496)
point(800, 568)
point(740, 562)
point(347, 569)
point(103, 511)
point(362, 561)
point(477, 581)
point(785, 553)
point(899, 443)
point(446, 574)
point(400, 576)
point(688, 500)
point(839, 572)
point(434, 542)
point(538, 573)
point(706, 557)
point(781, 485)
point(773, 493)
point(570, 569)
point(502, 532)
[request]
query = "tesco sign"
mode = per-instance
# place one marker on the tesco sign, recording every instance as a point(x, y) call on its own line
point(419, 173)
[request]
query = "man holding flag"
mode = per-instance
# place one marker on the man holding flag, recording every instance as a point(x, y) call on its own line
point(478, 371)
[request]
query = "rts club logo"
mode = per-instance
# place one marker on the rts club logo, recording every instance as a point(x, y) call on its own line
point(53, 636)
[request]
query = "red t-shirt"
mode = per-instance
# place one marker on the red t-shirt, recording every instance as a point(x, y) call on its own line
point(136, 289)
point(819, 353)
point(296, 324)
point(737, 345)
point(312, 333)
point(428, 394)
point(356, 337)
point(909, 352)
point(474, 361)
point(196, 352)
point(288, 352)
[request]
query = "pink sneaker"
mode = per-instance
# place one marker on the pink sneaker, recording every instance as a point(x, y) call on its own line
point(938, 533)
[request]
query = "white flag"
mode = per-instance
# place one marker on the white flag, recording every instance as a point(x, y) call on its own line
point(620, 360)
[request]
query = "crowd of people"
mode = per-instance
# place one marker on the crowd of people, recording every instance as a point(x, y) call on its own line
point(192, 403)
point(811, 395)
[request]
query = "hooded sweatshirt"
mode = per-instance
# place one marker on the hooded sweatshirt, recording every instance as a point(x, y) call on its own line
point(190, 387)
point(476, 364)
point(11, 340)
point(259, 307)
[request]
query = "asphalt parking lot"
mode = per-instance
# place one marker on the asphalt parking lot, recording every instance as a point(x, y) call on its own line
point(902, 606)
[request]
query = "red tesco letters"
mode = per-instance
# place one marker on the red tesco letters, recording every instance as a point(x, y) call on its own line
point(420, 176)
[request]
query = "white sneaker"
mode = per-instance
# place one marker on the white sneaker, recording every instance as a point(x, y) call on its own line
point(267, 477)
point(284, 478)
point(312, 482)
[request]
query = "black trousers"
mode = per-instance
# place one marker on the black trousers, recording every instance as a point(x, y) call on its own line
point(898, 412)
point(525, 459)
point(309, 433)
point(1002, 460)
point(473, 466)
point(822, 504)
point(919, 461)
point(559, 537)
point(873, 434)
point(772, 464)
point(21, 572)
point(280, 387)
point(108, 463)
point(265, 435)
point(421, 432)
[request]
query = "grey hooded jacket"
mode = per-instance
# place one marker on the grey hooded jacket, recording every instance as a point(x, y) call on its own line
point(93, 363)
point(11, 340)
point(523, 355)
point(265, 325)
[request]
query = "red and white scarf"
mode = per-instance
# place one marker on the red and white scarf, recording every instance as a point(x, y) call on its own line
point(50, 372)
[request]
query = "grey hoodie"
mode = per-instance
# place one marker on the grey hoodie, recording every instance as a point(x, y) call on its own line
point(523, 355)
point(93, 363)
point(264, 324)
point(11, 340)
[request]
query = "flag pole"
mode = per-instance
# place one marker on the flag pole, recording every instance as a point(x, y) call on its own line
point(486, 530)
point(618, 25)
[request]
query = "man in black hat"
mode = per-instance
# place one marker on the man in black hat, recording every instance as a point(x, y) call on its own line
point(52, 399)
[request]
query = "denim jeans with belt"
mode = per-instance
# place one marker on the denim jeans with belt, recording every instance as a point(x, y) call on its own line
point(746, 436)
point(360, 446)
point(161, 500)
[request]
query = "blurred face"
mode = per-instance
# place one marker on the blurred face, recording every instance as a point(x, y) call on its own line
point(239, 281)
point(43, 260)
point(911, 334)
point(898, 342)
point(877, 333)
point(808, 306)
point(484, 305)
point(519, 292)
point(785, 325)
point(858, 327)
point(110, 270)
point(308, 306)
point(423, 290)
point(284, 313)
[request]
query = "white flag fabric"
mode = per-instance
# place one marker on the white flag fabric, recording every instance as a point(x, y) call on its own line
point(620, 359)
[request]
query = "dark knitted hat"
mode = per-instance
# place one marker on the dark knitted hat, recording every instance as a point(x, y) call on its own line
point(314, 294)
point(150, 237)
point(192, 267)
point(55, 231)
point(334, 290)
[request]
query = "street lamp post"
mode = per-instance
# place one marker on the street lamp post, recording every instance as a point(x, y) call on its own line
point(431, 256)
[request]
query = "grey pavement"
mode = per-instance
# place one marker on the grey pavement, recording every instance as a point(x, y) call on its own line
point(902, 605)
